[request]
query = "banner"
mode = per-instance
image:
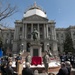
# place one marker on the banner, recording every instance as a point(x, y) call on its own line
point(1, 52)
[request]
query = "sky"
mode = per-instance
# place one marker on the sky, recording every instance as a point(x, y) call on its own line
point(62, 11)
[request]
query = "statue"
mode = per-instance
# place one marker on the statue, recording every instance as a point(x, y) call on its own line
point(35, 34)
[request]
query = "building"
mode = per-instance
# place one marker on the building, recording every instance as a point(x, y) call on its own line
point(7, 36)
point(49, 36)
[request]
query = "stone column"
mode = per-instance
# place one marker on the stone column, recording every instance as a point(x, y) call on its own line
point(45, 46)
point(31, 31)
point(39, 32)
point(55, 51)
point(16, 33)
point(14, 47)
point(40, 51)
point(45, 31)
point(52, 34)
point(25, 31)
point(31, 51)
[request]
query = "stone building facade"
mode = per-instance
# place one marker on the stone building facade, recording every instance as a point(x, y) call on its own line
point(49, 36)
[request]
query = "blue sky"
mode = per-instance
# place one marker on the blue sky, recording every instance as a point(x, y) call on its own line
point(62, 11)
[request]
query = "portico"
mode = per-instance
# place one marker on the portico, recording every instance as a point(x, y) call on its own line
point(35, 17)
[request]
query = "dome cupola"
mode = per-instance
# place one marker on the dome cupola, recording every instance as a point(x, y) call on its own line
point(35, 10)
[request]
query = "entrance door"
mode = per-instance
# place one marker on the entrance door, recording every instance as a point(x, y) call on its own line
point(35, 52)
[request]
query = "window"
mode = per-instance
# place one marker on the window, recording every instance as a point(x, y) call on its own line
point(57, 35)
point(48, 29)
point(20, 29)
point(29, 36)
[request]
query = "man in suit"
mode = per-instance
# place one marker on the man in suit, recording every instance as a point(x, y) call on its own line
point(27, 70)
point(63, 70)
point(68, 66)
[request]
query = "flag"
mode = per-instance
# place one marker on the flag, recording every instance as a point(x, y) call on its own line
point(1, 52)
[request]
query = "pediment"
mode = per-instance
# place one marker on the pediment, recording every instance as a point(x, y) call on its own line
point(35, 18)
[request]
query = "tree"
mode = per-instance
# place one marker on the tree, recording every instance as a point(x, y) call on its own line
point(68, 44)
point(6, 10)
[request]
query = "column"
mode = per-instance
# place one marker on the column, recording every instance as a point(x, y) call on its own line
point(25, 31)
point(40, 51)
point(39, 32)
point(14, 47)
point(17, 34)
point(55, 51)
point(31, 31)
point(45, 31)
point(45, 46)
point(31, 51)
point(52, 34)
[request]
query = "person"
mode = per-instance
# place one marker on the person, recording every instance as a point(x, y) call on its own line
point(27, 70)
point(72, 60)
point(18, 60)
point(63, 70)
point(68, 66)
point(35, 34)
point(4, 69)
point(28, 58)
point(10, 69)
point(46, 61)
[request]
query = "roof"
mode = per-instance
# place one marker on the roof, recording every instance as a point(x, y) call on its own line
point(5, 28)
point(35, 10)
point(2, 27)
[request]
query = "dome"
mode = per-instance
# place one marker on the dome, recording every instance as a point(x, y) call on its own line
point(35, 10)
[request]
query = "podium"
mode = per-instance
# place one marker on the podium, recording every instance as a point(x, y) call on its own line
point(19, 67)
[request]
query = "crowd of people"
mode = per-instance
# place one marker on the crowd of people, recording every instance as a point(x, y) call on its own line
point(66, 62)
point(6, 66)
point(65, 68)
point(68, 57)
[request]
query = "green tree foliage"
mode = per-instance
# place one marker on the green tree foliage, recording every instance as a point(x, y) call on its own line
point(68, 44)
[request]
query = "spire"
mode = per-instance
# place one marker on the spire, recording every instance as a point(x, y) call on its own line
point(35, 4)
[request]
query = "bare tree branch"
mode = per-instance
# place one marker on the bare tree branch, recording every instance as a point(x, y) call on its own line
point(7, 11)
